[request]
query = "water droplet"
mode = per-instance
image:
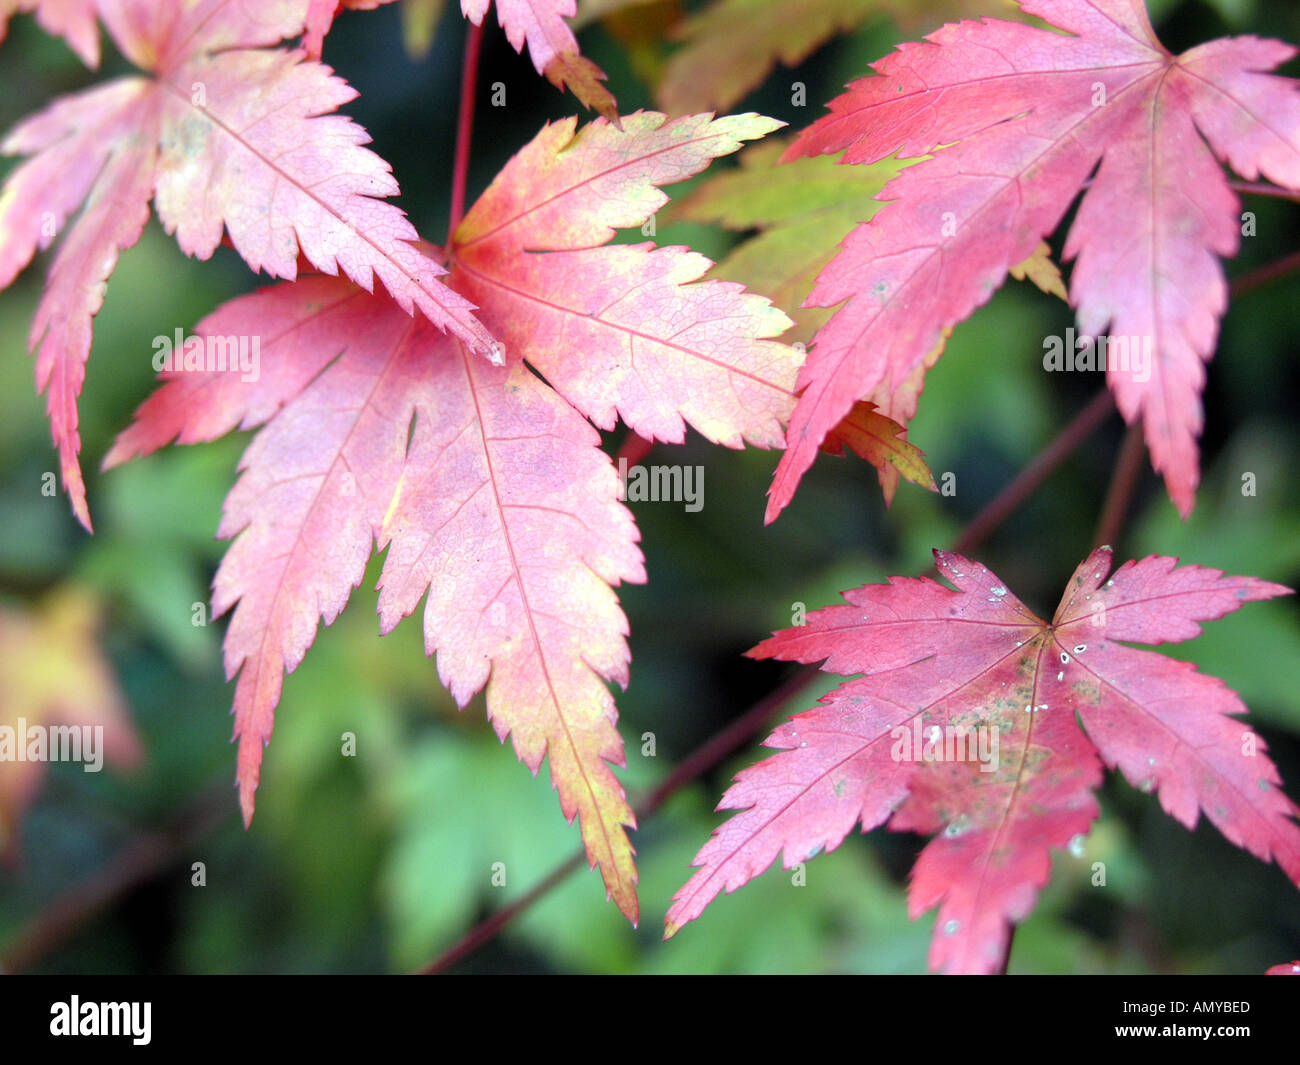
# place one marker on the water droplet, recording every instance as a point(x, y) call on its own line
point(951, 928)
point(1147, 785)
point(1081, 648)
point(1110, 583)
point(1263, 784)
point(954, 830)
point(1028, 708)
point(1076, 846)
point(999, 590)
point(1040, 706)
point(1151, 761)
point(1061, 675)
point(1065, 659)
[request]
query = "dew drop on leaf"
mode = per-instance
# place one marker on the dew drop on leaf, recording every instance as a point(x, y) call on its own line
point(958, 827)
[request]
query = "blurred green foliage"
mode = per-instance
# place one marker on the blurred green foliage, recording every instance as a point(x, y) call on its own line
point(383, 860)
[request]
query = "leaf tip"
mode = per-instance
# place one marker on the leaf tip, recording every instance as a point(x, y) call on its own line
point(586, 81)
point(246, 802)
point(80, 510)
point(626, 900)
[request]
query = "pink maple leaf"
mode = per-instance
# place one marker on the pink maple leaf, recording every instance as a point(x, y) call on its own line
point(73, 20)
point(485, 484)
point(226, 134)
point(1030, 117)
point(984, 725)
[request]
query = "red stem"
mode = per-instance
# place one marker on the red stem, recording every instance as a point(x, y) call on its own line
point(634, 448)
point(487, 930)
point(1006, 954)
point(699, 762)
point(1263, 275)
point(727, 742)
point(1027, 480)
point(1123, 484)
point(139, 861)
point(464, 126)
point(1246, 188)
point(1258, 188)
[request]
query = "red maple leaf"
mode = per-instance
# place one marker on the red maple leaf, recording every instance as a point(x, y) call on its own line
point(226, 133)
point(497, 507)
point(1030, 115)
point(73, 20)
point(977, 721)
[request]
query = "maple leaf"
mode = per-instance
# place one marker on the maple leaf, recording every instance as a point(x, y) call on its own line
point(420, 20)
point(625, 331)
point(800, 212)
point(501, 511)
point(552, 46)
point(73, 20)
point(53, 674)
point(227, 133)
point(731, 46)
point(976, 720)
point(1029, 115)
point(560, 308)
point(882, 442)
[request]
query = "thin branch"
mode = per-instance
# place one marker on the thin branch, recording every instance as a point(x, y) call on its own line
point(486, 931)
point(1265, 274)
point(1026, 482)
point(1123, 484)
point(700, 761)
point(143, 858)
point(1248, 188)
point(1006, 954)
point(1259, 188)
point(725, 743)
